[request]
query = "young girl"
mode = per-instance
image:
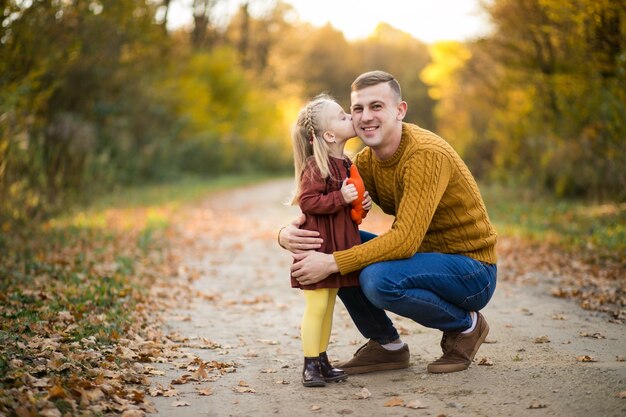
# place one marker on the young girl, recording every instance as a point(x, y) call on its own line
point(321, 170)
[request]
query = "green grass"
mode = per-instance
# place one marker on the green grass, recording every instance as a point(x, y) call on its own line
point(177, 192)
point(84, 262)
point(598, 229)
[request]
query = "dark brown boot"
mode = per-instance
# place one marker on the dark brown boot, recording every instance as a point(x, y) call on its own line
point(459, 349)
point(330, 373)
point(312, 373)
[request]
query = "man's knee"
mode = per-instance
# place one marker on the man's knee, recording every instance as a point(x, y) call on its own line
point(375, 284)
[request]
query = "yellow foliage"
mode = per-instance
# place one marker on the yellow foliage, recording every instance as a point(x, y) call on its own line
point(447, 59)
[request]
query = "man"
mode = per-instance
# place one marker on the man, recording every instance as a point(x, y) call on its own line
point(437, 263)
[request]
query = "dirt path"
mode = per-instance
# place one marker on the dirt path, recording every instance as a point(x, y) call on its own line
point(247, 324)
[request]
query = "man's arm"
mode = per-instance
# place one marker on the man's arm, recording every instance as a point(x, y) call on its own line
point(297, 240)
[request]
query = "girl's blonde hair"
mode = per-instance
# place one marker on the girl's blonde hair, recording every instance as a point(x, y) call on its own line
point(308, 141)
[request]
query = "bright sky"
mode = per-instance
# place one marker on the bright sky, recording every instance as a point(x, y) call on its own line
point(426, 20)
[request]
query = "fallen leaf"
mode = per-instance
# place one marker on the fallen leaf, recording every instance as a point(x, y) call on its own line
point(180, 403)
point(363, 394)
point(50, 412)
point(243, 390)
point(620, 358)
point(56, 392)
point(315, 408)
point(268, 342)
point(133, 413)
point(156, 372)
point(205, 391)
point(621, 394)
point(171, 393)
point(415, 404)
point(542, 339)
point(395, 402)
point(485, 362)
point(586, 358)
point(201, 373)
point(282, 382)
point(536, 405)
point(268, 371)
point(593, 335)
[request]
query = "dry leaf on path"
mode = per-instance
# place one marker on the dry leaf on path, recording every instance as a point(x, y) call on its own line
point(180, 403)
point(268, 342)
point(315, 408)
point(586, 358)
point(621, 394)
point(415, 404)
point(395, 402)
point(205, 391)
point(542, 339)
point(596, 335)
point(363, 394)
point(537, 405)
point(201, 373)
point(133, 413)
point(171, 393)
point(50, 412)
point(485, 362)
point(243, 390)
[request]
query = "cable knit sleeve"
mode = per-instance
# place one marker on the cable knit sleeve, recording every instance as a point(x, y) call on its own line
point(313, 199)
point(421, 182)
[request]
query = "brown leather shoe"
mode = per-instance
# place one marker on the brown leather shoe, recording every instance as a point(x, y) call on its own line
point(372, 357)
point(459, 349)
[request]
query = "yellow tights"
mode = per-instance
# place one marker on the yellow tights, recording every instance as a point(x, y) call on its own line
point(317, 320)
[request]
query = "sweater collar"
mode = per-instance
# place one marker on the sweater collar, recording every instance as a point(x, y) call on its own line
point(395, 158)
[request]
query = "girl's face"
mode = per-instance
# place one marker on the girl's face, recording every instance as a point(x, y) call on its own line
point(338, 123)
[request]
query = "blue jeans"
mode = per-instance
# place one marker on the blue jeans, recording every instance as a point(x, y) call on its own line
point(436, 290)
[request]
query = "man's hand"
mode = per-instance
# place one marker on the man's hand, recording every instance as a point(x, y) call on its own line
point(312, 267)
point(298, 240)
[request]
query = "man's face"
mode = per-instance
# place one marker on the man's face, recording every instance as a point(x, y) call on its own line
point(377, 112)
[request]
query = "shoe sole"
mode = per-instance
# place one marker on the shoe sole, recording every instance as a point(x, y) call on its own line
point(445, 369)
point(314, 384)
point(375, 368)
point(336, 379)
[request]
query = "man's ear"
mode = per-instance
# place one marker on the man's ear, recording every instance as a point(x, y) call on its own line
point(401, 110)
point(329, 137)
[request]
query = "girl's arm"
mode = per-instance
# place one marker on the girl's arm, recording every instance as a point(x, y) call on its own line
point(312, 197)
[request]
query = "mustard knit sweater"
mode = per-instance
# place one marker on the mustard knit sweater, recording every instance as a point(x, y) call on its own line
point(435, 201)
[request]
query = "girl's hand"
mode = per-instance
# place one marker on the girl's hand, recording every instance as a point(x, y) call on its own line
point(367, 201)
point(349, 192)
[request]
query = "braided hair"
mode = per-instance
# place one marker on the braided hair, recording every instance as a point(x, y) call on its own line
point(308, 141)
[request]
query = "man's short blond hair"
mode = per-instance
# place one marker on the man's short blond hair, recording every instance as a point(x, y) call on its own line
point(368, 79)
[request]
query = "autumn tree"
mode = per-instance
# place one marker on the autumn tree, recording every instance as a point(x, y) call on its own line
point(562, 125)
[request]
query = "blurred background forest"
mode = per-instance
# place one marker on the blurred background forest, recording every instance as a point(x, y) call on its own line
point(100, 94)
